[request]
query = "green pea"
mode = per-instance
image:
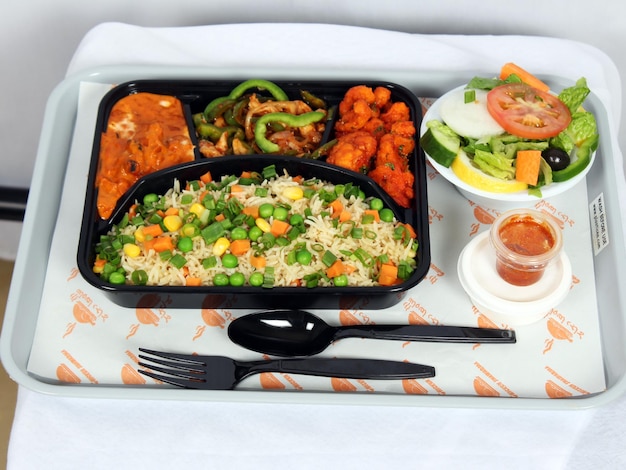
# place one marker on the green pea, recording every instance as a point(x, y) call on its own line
point(303, 257)
point(281, 213)
point(117, 278)
point(386, 215)
point(341, 280)
point(150, 198)
point(296, 219)
point(229, 260)
point(255, 233)
point(266, 210)
point(185, 244)
point(237, 279)
point(376, 204)
point(221, 279)
point(239, 233)
point(256, 279)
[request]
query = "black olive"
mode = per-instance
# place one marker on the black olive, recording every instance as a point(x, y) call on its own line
point(557, 159)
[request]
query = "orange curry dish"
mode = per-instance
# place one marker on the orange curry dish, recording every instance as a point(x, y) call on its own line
point(145, 132)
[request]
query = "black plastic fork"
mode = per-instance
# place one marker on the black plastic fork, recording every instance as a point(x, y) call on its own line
point(224, 373)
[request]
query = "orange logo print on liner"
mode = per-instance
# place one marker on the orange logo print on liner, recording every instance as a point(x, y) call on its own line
point(342, 385)
point(413, 387)
point(556, 391)
point(269, 381)
point(560, 330)
point(146, 315)
point(84, 311)
point(130, 376)
point(65, 374)
point(483, 389)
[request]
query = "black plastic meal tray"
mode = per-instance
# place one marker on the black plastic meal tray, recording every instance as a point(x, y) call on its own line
point(195, 95)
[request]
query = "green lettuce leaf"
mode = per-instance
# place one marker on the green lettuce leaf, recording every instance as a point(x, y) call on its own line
point(495, 164)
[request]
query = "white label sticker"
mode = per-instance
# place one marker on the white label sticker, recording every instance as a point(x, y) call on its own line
point(599, 229)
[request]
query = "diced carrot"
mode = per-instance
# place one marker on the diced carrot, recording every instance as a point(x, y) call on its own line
point(148, 245)
point(185, 271)
point(344, 216)
point(298, 178)
point(220, 217)
point(411, 230)
point(163, 243)
point(152, 230)
point(373, 212)
point(527, 166)
point(239, 247)
point(349, 268)
point(172, 211)
point(202, 195)
point(246, 174)
point(252, 211)
point(206, 178)
point(193, 281)
point(388, 274)
point(337, 208)
point(160, 212)
point(279, 227)
point(528, 78)
point(335, 269)
point(98, 265)
point(258, 262)
point(236, 188)
point(132, 212)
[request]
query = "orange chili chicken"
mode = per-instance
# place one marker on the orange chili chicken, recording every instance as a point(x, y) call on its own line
point(376, 136)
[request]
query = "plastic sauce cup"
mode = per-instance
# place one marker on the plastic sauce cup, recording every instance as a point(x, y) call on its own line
point(525, 242)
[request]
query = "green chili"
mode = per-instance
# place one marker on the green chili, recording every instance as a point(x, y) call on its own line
point(271, 87)
point(312, 100)
point(291, 120)
point(217, 107)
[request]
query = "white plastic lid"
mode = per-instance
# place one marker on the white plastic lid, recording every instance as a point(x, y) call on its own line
point(504, 302)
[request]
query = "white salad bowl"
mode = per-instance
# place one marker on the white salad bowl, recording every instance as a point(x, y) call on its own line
point(495, 200)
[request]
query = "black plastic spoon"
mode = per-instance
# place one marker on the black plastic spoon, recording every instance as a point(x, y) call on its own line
point(300, 333)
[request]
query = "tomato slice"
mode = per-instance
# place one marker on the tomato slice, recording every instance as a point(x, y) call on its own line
point(527, 112)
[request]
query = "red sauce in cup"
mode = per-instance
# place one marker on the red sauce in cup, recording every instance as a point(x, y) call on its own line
point(525, 243)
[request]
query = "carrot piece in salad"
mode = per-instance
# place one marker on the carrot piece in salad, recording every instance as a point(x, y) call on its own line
point(527, 166)
point(528, 78)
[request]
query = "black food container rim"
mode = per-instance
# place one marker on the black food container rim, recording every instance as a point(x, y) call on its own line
point(370, 297)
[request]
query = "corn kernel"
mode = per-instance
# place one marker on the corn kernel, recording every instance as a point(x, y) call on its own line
point(197, 209)
point(293, 192)
point(139, 235)
point(132, 250)
point(220, 246)
point(263, 224)
point(173, 222)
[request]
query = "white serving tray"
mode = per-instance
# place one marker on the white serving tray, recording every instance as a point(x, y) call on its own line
point(24, 301)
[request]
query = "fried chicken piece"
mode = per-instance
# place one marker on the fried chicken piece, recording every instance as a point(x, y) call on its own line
point(397, 183)
point(353, 151)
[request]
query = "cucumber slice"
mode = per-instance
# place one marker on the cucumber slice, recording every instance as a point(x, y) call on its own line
point(441, 143)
